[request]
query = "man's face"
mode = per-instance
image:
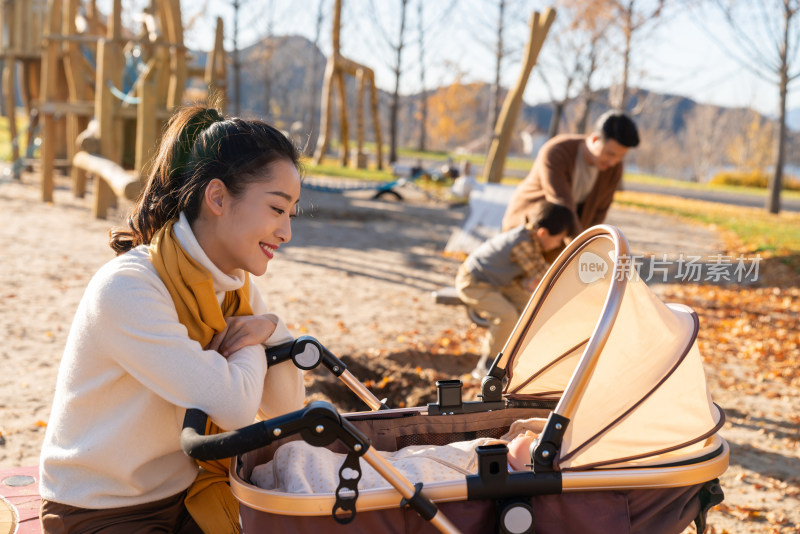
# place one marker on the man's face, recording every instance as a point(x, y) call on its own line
point(605, 154)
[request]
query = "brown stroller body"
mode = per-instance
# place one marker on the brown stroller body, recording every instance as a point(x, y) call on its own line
point(610, 374)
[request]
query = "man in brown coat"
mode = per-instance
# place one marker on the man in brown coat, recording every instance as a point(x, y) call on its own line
point(577, 171)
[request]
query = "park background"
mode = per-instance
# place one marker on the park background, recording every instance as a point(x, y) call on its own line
point(701, 110)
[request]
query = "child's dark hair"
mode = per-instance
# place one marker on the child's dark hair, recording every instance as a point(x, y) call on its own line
point(616, 125)
point(554, 218)
point(198, 145)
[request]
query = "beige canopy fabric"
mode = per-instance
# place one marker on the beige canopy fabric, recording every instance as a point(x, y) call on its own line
point(646, 395)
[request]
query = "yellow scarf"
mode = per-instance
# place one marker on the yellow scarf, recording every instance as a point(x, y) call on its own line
point(209, 499)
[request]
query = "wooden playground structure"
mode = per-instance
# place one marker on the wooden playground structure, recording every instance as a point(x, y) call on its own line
point(336, 69)
point(99, 93)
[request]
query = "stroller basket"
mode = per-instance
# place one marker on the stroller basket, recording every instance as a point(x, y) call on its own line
point(611, 380)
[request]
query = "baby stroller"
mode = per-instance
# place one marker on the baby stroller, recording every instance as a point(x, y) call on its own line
point(628, 439)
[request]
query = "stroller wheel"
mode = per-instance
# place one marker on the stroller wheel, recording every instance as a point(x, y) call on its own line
point(517, 519)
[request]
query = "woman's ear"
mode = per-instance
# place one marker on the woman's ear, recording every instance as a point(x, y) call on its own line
point(215, 196)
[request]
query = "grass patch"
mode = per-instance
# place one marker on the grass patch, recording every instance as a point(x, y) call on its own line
point(641, 178)
point(5, 135)
point(330, 168)
point(478, 160)
point(757, 230)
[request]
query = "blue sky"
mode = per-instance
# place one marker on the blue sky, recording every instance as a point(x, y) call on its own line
point(679, 57)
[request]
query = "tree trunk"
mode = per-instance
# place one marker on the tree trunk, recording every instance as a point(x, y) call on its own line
point(396, 94)
point(311, 117)
point(775, 185)
point(423, 103)
point(494, 110)
point(237, 66)
point(626, 59)
point(555, 120)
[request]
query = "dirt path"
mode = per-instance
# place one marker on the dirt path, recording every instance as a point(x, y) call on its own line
point(358, 275)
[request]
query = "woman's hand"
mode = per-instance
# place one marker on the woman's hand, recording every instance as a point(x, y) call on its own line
point(242, 331)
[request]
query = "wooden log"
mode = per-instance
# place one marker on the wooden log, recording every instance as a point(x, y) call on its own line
point(111, 181)
point(539, 26)
point(124, 184)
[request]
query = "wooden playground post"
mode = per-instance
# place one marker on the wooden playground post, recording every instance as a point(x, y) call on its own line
point(146, 118)
point(49, 77)
point(539, 26)
point(171, 10)
point(7, 23)
point(216, 75)
point(78, 91)
point(361, 159)
point(109, 73)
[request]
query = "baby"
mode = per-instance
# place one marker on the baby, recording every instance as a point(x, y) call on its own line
point(298, 467)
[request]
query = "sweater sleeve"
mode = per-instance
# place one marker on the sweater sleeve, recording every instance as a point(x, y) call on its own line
point(284, 390)
point(138, 327)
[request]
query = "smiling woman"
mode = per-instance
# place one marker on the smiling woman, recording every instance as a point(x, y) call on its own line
point(173, 322)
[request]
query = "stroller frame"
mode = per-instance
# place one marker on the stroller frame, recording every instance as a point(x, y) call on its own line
point(320, 424)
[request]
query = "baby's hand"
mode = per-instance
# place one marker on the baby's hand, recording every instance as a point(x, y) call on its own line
point(519, 450)
point(242, 331)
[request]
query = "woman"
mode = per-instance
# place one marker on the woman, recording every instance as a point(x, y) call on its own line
point(173, 322)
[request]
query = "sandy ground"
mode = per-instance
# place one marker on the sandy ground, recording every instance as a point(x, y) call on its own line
point(358, 275)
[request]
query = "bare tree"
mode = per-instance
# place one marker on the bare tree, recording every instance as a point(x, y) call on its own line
point(237, 66)
point(397, 68)
point(574, 54)
point(766, 38)
point(499, 54)
point(423, 104)
point(310, 113)
point(629, 18)
point(704, 141)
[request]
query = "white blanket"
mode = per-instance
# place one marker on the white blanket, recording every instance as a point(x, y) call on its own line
point(298, 467)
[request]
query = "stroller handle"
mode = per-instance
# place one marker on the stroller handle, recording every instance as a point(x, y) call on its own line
point(307, 353)
point(318, 423)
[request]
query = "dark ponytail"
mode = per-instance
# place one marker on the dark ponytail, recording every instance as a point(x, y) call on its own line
point(199, 144)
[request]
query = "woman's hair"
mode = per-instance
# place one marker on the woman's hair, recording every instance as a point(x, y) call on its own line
point(198, 145)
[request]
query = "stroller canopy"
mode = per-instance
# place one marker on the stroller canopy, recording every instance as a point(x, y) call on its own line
point(624, 365)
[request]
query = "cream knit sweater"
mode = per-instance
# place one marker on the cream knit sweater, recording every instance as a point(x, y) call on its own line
point(128, 373)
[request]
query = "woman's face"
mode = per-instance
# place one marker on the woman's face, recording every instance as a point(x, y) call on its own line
point(251, 227)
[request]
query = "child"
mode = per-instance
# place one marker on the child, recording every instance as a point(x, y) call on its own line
point(174, 322)
point(498, 277)
point(298, 467)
